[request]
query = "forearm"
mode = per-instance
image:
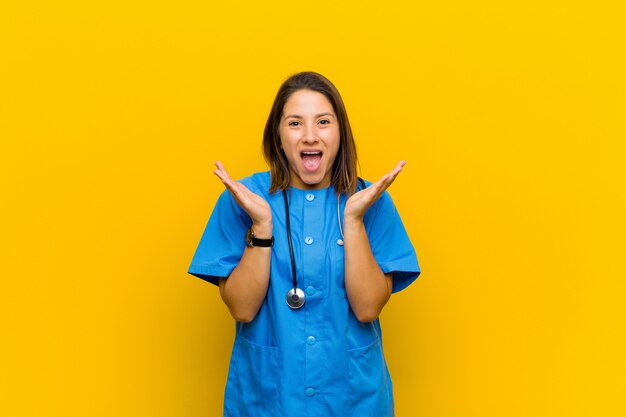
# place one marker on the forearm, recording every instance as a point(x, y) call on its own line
point(367, 287)
point(245, 289)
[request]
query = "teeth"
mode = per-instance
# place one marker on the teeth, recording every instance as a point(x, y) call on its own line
point(311, 153)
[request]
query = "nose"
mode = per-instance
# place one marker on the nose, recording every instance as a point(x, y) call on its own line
point(309, 134)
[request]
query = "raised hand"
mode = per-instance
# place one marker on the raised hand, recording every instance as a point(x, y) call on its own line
point(358, 203)
point(253, 204)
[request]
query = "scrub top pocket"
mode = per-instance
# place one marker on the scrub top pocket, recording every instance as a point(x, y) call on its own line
point(254, 388)
point(370, 391)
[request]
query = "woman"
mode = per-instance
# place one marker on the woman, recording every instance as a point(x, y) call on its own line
point(306, 256)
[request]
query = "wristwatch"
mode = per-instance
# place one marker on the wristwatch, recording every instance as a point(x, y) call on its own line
point(253, 241)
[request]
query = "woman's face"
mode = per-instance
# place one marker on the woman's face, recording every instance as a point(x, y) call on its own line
point(309, 136)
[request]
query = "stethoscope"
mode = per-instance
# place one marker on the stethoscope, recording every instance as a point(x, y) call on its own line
point(295, 296)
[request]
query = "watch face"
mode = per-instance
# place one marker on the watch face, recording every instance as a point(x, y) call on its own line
point(249, 237)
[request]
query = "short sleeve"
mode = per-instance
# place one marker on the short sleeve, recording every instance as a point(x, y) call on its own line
point(390, 243)
point(223, 241)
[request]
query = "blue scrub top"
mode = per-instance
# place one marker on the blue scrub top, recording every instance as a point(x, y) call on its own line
point(318, 360)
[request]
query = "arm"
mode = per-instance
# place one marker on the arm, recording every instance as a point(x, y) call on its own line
point(367, 288)
point(244, 290)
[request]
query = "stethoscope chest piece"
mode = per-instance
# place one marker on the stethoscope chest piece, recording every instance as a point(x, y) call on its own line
point(295, 298)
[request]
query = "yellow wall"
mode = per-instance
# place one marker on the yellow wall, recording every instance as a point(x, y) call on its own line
point(511, 116)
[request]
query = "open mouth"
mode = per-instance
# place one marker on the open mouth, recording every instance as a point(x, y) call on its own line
point(311, 159)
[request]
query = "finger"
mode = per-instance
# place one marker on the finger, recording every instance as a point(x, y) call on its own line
point(395, 171)
point(375, 190)
point(221, 171)
point(242, 194)
point(223, 175)
point(232, 185)
point(386, 180)
point(390, 177)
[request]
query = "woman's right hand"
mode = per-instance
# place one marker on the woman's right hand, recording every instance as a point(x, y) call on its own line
point(253, 204)
point(245, 288)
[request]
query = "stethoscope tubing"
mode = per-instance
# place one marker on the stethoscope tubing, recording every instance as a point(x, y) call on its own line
point(295, 296)
point(293, 260)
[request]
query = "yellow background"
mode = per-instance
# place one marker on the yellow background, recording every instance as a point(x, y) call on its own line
point(511, 116)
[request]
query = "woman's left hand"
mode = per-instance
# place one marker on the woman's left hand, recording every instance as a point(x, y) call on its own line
point(358, 203)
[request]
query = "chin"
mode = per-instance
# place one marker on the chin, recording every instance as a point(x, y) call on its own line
point(311, 181)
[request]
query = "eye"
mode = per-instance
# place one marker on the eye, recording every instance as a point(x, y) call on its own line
point(294, 123)
point(325, 121)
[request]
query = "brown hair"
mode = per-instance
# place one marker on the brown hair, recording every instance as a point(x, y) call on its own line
point(344, 176)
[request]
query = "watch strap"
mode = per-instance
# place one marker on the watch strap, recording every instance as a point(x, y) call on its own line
point(253, 241)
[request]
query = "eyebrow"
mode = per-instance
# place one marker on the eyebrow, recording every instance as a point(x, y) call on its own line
point(297, 116)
